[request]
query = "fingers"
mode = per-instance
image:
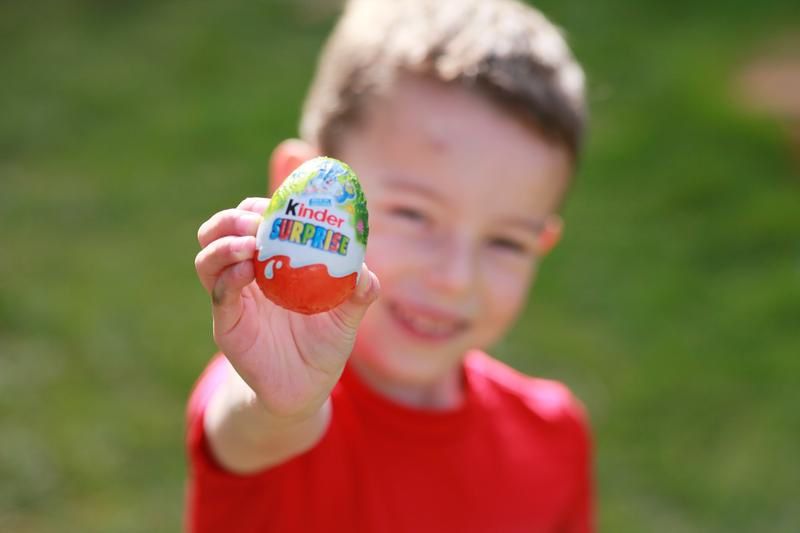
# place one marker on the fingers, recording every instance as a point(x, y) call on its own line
point(221, 254)
point(229, 222)
point(367, 291)
point(368, 287)
point(226, 296)
point(225, 263)
point(231, 281)
point(256, 205)
point(225, 267)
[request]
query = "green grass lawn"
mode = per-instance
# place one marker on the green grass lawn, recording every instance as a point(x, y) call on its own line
point(672, 307)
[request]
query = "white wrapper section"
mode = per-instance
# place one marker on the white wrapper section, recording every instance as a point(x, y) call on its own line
point(279, 234)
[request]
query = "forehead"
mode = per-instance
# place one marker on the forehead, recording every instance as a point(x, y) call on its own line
point(460, 145)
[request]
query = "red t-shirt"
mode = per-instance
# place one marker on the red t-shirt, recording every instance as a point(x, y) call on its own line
point(514, 457)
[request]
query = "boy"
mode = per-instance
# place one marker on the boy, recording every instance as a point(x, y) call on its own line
point(463, 120)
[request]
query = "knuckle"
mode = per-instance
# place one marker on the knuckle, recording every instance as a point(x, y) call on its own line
point(228, 245)
point(219, 248)
point(201, 260)
point(208, 254)
point(220, 222)
point(219, 217)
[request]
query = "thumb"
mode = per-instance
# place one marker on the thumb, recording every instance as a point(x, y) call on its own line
point(367, 291)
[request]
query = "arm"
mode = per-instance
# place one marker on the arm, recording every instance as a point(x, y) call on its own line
point(274, 403)
point(245, 437)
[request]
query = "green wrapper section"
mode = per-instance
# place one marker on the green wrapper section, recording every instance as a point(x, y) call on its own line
point(340, 182)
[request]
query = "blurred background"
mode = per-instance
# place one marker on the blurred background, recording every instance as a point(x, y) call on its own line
point(672, 307)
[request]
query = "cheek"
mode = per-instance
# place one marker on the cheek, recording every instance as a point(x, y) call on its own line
point(370, 327)
point(506, 294)
point(380, 255)
point(390, 252)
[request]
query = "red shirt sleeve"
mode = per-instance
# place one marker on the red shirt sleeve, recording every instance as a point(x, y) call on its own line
point(209, 483)
point(208, 382)
point(581, 519)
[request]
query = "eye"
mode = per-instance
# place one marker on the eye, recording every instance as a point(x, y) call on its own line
point(409, 213)
point(506, 244)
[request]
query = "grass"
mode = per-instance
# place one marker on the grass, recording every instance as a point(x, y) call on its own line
point(671, 307)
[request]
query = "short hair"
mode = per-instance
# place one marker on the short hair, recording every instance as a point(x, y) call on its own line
point(503, 49)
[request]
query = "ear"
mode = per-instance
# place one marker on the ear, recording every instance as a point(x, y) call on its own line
point(286, 157)
point(549, 235)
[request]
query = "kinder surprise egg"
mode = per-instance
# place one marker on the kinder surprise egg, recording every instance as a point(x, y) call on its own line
point(311, 243)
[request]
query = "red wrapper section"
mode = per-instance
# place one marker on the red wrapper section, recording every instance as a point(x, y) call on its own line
point(309, 289)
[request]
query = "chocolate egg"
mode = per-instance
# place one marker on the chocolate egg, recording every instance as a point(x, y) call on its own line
point(312, 240)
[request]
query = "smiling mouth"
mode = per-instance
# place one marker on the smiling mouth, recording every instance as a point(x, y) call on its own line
point(427, 324)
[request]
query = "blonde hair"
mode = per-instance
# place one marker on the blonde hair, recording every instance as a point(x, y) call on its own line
point(503, 49)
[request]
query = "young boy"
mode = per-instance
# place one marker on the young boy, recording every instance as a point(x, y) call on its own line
point(463, 120)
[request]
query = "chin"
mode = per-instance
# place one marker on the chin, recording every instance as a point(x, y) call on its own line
point(398, 353)
point(403, 368)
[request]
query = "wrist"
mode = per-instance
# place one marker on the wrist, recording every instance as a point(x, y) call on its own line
point(265, 416)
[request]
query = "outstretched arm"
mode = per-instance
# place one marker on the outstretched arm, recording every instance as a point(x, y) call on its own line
point(274, 403)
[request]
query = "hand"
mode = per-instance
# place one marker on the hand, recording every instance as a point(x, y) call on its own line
point(290, 360)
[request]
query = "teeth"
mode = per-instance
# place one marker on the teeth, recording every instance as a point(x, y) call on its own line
point(426, 325)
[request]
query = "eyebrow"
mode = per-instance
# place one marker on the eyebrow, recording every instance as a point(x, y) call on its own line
point(413, 187)
point(534, 225)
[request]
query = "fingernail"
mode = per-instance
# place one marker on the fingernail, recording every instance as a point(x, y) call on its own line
point(371, 290)
point(367, 287)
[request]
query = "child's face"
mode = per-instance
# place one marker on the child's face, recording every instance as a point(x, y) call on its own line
point(457, 192)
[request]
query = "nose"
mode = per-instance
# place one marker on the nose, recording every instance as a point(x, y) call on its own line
point(454, 270)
